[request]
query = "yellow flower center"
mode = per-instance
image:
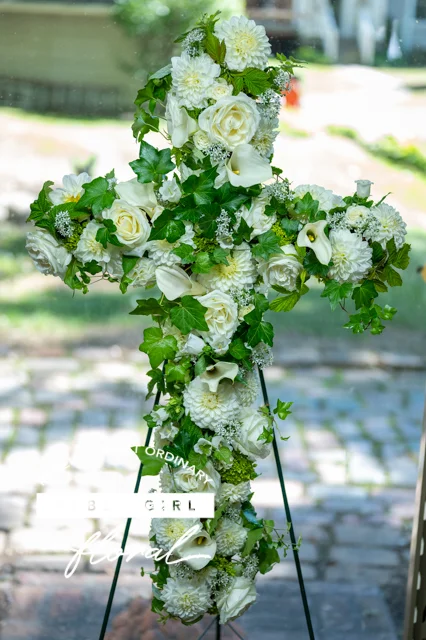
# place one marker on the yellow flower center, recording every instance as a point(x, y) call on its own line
point(70, 198)
point(192, 79)
point(210, 400)
point(175, 530)
point(228, 270)
point(311, 236)
point(245, 44)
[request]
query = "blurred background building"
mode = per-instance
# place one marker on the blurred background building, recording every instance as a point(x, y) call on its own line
point(88, 56)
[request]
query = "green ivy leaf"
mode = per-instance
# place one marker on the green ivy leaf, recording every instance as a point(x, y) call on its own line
point(203, 263)
point(268, 245)
point(282, 410)
point(238, 350)
point(378, 252)
point(253, 536)
point(186, 439)
point(314, 267)
point(268, 557)
point(260, 332)
point(215, 48)
point(336, 292)
point(230, 198)
point(149, 307)
point(220, 256)
point(392, 277)
point(129, 263)
point(166, 227)
point(307, 207)
point(157, 380)
point(201, 187)
point(285, 303)
point(185, 253)
point(42, 205)
point(179, 371)
point(364, 294)
point(158, 347)
point(97, 195)
point(151, 464)
point(402, 258)
point(243, 233)
point(188, 315)
point(202, 363)
point(380, 286)
point(208, 222)
point(152, 163)
point(143, 123)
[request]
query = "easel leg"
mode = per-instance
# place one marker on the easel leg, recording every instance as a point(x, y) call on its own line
point(289, 520)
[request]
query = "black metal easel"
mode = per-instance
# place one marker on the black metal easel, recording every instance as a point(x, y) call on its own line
point(215, 621)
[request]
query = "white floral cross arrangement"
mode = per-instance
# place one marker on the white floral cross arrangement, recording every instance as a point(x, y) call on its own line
point(215, 226)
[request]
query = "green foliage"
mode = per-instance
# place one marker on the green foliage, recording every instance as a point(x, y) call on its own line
point(282, 410)
point(158, 347)
point(106, 234)
point(189, 314)
point(97, 195)
point(151, 464)
point(166, 227)
point(336, 292)
point(268, 245)
point(152, 164)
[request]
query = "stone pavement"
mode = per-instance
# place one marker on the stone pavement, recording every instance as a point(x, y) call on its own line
point(67, 424)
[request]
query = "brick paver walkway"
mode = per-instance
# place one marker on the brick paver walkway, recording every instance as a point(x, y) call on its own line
point(67, 423)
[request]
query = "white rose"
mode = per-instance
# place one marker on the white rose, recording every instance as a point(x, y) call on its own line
point(232, 121)
point(221, 317)
point(256, 218)
point(49, 257)
point(253, 424)
point(233, 601)
point(282, 269)
point(170, 191)
point(188, 479)
point(357, 216)
point(220, 89)
point(137, 194)
point(133, 228)
point(179, 124)
point(201, 140)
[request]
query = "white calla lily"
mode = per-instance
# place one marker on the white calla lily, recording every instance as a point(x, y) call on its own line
point(137, 194)
point(217, 372)
point(174, 282)
point(312, 235)
point(179, 124)
point(200, 544)
point(246, 167)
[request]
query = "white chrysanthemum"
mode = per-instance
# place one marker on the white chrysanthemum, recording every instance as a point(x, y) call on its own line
point(209, 409)
point(389, 225)
point(89, 248)
point(192, 77)
point(169, 530)
point(239, 273)
point(357, 216)
point(351, 256)
point(230, 537)
point(72, 188)
point(248, 390)
point(265, 136)
point(234, 492)
point(161, 251)
point(326, 198)
point(185, 599)
point(247, 44)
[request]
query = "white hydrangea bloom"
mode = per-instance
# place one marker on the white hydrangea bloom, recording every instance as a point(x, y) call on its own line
point(351, 256)
point(389, 224)
point(185, 599)
point(230, 537)
point(192, 77)
point(89, 248)
point(326, 198)
point(239, 273)
point(169, 530)
point(209, 409)
point(72, 188)
point(247, 44)
point(161, 251)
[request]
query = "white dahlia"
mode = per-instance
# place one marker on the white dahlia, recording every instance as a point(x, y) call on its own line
point(265, 136)
point(209, 409)
point(233, 492)
point(248, 390)
point(161, 251)
point(247, 44)
point(169, 530)
point(326, 198)
point(186, 600)
point(351, 256)
point(191, 79)
point(230, 537)
point(239, 273)
point(72, 188)
point(89, 248)
point(388, 224)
